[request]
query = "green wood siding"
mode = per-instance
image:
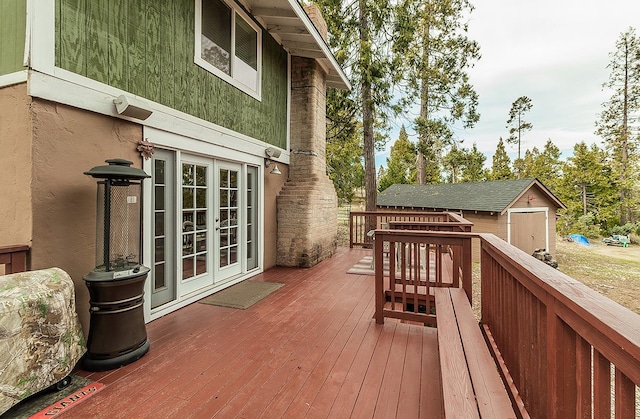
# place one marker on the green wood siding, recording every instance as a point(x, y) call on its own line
point(146, 47)
point(13, 15)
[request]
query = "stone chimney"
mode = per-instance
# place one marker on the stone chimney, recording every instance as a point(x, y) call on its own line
point(307, 204)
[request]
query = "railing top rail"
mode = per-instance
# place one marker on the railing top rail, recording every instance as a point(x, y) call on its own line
point(449, 216)
point(14, 248)
point(592, 315)
point(423, 233)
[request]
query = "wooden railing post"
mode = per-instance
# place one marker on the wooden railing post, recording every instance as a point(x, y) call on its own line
point(467, 282)
point(379, 277)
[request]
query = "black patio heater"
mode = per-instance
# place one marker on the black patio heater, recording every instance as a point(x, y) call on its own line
point(117, 332)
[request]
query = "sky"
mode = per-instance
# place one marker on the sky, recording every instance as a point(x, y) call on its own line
point(554, 52)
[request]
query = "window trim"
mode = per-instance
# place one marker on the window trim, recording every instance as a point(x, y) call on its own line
point(198, 60)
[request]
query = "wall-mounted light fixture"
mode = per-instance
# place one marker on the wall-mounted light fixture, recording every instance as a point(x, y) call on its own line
point(132, 107)
point(272, 153)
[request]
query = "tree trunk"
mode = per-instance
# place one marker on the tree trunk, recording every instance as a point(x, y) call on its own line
point(625, 195)
point(367, 118)
point(423, 137)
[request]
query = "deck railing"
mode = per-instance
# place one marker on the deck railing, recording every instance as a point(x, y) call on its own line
point(362, 222)
point(14, 258)
point(569, 350)
point(409, 263)
point(563, 349)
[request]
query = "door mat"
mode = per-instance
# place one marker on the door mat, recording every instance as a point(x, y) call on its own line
point(49, 403)
point(242, 295)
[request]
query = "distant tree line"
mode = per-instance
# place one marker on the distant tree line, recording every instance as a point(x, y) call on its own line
point(414, 54)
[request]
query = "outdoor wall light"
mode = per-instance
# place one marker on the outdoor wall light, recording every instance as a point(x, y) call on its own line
point(272, 153)
point(132, 107)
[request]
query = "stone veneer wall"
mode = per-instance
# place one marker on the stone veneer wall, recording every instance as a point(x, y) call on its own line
point(307, 204)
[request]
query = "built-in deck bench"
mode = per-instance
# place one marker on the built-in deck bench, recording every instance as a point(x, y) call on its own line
point(471, 383)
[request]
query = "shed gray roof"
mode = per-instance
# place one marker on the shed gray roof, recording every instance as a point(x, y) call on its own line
point(494, 196)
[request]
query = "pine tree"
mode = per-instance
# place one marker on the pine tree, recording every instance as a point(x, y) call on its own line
point(453, 163)
point(360, 40)
point(501, 167)
point(474, 171)
point(586, 187)
point(435, 52)
point(401, 163)
point(516, 123)
point(619, 121)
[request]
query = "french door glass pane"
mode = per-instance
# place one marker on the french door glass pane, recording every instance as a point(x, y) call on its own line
point(194, 220)
point(228, 216)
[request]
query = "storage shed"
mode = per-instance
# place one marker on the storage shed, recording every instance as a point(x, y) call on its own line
point(520, 211)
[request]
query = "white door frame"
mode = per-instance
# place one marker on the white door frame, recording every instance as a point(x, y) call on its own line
point(524, 210)
point(210, 150)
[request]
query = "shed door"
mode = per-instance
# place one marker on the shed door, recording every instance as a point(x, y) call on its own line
point(529, 230)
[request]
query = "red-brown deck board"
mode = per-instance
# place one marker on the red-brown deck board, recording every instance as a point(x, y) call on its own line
point(311, 349)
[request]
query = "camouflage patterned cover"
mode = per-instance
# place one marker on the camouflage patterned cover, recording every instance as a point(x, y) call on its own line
point(41, 338)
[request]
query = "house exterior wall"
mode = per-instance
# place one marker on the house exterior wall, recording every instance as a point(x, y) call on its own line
point(15, 166)
point(67, 142)
point(12, 33)
point(146, 47)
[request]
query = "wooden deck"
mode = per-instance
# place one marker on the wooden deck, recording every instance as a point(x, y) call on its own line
point(311, 349)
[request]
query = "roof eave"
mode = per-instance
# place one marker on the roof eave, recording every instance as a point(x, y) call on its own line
point(291, 26)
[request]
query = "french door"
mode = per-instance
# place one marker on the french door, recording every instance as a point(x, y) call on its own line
point(205, 224)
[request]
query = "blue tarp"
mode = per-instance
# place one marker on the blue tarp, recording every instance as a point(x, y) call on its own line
point(580, 239)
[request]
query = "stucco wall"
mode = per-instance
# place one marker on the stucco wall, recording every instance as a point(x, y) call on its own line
point(15, 166)
point(67, 142)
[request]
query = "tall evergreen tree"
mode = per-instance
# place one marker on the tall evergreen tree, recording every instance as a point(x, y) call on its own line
point(501, 167)
point(586, 186)
point(435, 53)
point(516, 122)
point(361, 43)
point(453, 163)
point(473, 170)
point(619, 121)
point(544, 165)
point(401, 163)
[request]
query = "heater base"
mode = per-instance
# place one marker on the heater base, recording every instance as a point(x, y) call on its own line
point(89, 364)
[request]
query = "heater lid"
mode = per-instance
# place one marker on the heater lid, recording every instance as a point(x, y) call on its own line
point(117, 169)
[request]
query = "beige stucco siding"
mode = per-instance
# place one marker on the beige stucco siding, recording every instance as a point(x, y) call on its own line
point(67, 142)
point(15, 166)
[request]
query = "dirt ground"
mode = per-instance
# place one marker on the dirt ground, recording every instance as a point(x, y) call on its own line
point(611, 270)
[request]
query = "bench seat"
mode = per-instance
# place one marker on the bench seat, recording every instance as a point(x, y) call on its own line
point(471, 383)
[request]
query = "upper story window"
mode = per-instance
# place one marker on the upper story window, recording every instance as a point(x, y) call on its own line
point(228, 44)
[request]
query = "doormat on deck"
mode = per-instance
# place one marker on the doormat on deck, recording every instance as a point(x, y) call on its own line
point(242, 295)
point(50, 403)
